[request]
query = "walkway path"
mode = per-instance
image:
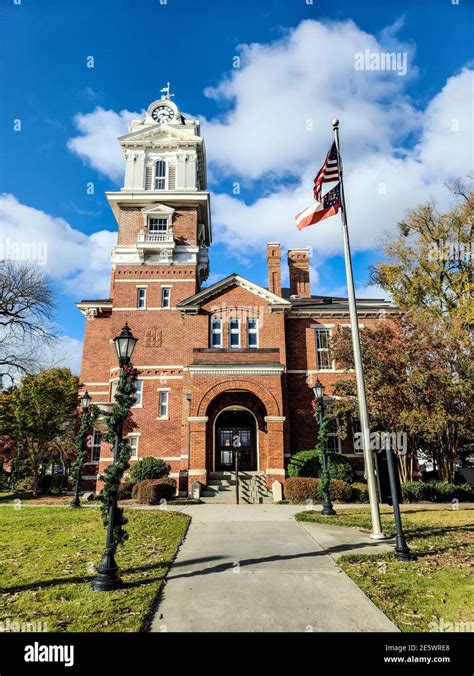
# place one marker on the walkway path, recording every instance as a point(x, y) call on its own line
point(254, 568)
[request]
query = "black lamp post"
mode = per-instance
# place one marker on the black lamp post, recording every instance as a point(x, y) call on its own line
point(85, 404)
point(402, 551)
point(107, 578)
point(327, 509)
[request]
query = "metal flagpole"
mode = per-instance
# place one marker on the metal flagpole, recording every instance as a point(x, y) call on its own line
point(377, 533)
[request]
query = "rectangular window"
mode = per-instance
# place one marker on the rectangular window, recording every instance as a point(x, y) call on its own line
point(323, 352)
point(234, 333)
point(113, 390)
point(163, 404)
point(138, 392)
point(133, 442)
point(157, 225)
point(160, 175)
point(141, 298)
point(333, 442)
point(252, 332)
point(216, 333)
point(96, 441)
point(165, 297)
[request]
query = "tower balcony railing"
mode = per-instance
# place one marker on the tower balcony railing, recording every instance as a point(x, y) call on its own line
point(155, 237)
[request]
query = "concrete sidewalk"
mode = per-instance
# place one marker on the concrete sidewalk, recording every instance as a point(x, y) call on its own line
point(254, 568)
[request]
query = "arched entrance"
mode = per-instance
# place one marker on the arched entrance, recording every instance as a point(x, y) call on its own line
point(235, 431)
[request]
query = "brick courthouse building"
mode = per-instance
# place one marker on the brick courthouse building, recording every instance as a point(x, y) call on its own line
point(218, 365)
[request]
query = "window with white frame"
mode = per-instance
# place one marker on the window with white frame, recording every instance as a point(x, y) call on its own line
point(96, 441)
point(141, 297)
point(160, 175)
point(138, 392)
point(157, 225)
point(216, 332)
point(252, 332)
point(234, 333)
point(133, 443)
point(323, 349)
point(163, 402)
point(165, 296)
point(333, 441)
point(113, 390)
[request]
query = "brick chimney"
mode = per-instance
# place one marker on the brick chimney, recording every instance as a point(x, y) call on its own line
point(274, 270)
point(298, 264)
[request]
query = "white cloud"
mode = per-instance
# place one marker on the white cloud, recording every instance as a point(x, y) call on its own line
point(281, 86)
point(80, 262)
point(279, 105)
point(97, 145)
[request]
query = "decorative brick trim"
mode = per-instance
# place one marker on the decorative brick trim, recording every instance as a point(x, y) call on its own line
point(261, 392)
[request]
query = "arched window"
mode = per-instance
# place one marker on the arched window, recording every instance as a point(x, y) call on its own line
point(160, 175)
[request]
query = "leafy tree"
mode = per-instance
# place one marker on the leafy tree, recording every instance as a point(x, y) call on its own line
point(429, 265)
point(38, 413)
point(409, 366)
point(418, 366)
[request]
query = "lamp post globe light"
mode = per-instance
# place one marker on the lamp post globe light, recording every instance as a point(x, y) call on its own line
point(85, 405)
point(318, 390)
point(107, 577)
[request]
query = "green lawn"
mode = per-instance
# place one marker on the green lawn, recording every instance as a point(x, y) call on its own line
point(48, 556)
point(438, 585)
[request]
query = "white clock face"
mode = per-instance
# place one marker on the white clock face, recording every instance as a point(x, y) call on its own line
point(162, 114)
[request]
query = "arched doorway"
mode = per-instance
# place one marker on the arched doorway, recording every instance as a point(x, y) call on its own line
point(235, 431)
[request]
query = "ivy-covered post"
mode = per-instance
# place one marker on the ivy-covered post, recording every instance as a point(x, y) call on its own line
point(89, 416)
point(318, 390)
point(107, 578)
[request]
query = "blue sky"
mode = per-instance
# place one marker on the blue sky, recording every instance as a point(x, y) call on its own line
point(397, 129)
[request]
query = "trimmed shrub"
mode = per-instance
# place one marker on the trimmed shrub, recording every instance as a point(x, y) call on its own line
point(154, 491)
point(309, 464)
point(125, 490)
point(304, 464)
point(341, 491)
point(135, 488)
point(300, 489)
point(436, 491)
point(360, 492)
point(149, 468)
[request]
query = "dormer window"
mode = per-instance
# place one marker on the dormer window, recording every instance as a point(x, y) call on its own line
point(157, 225)
point(160, 175)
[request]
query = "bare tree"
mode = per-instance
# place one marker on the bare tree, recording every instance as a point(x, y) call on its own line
point(26, 306)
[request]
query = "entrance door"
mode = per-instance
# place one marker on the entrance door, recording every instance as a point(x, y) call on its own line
point(236, 433)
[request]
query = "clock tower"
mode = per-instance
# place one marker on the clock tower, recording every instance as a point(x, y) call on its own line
point(163, 210)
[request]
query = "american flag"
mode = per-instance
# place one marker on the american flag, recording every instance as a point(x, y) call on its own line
point(328, 172)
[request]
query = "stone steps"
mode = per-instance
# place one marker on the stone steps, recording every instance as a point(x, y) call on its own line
point(221, 488)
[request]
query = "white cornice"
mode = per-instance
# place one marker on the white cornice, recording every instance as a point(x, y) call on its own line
point(236, 369)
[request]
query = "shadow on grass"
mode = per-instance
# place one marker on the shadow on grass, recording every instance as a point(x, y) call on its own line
point(28, 495)
point(45, 584)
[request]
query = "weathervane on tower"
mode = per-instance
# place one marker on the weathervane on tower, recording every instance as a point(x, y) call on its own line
point(166, 92)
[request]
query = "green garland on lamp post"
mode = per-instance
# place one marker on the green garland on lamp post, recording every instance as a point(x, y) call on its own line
point(113, 517)
point(112, 476)
point(325, 478)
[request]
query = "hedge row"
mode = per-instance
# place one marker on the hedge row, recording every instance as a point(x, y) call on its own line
point(303, 489)
point(436, 491)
